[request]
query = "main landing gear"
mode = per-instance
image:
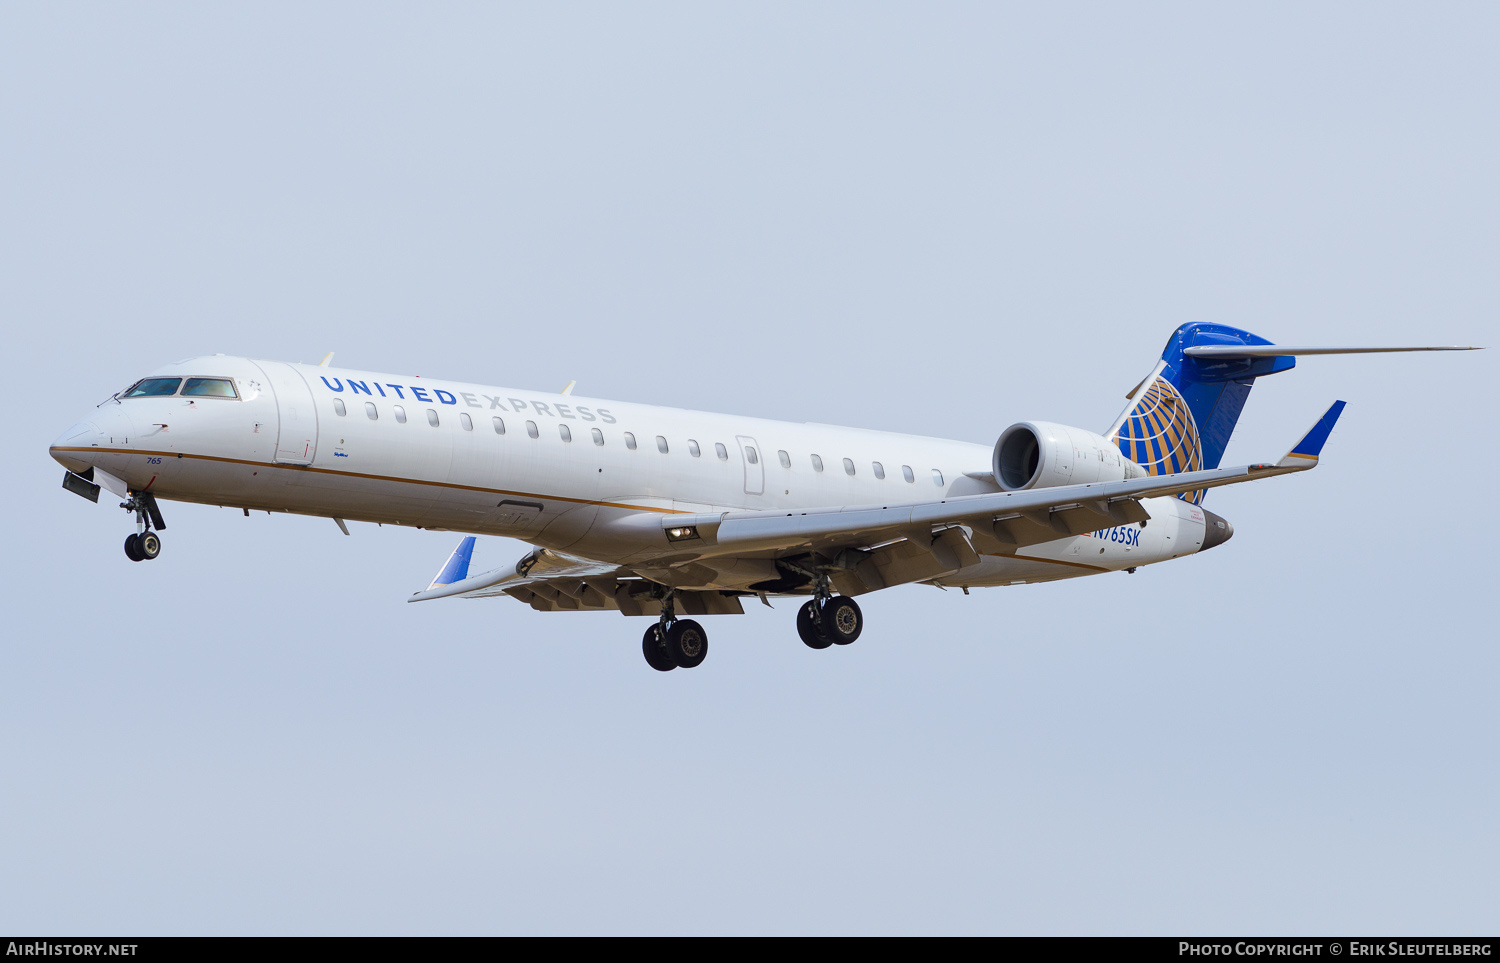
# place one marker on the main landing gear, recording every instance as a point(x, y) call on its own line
point(825, 620)
point(829, 619)
point(674, 643)
point(145, 544)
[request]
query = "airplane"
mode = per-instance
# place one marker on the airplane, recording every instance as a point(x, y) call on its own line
point(664, 512)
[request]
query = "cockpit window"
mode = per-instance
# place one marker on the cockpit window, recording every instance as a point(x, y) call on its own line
point(213, 387)
point(151, 387)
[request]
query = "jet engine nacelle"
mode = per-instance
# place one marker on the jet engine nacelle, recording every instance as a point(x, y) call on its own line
point(1040, 454)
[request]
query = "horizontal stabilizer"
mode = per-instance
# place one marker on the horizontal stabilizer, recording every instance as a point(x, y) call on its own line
point(1304, 454)
point(456, 569)
point(1283, 350)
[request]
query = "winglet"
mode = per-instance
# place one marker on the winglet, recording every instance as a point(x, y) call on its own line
point(456, 569)
point(569, 389)
point(1304, 454)
point(327, 360)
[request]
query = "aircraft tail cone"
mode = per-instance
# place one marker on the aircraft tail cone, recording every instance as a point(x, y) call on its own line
point(1216, 530)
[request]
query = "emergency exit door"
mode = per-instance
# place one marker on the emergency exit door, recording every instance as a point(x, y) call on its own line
point(755, 465)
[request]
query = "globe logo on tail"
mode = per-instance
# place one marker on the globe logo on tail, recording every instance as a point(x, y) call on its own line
point(1160, 435)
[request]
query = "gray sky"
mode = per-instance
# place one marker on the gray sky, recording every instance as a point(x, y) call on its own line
point(929, 218)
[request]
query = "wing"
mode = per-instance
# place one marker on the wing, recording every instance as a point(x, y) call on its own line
point(862, 548)
point(1014, 518)
point(875, 546)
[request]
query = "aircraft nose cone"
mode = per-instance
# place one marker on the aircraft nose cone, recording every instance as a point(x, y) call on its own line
point(69, 450)
point(1216, 530)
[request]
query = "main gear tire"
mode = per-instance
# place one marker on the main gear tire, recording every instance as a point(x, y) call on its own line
point(842, 619)
point(687, 643)
point(655, 651)
point(807, 627)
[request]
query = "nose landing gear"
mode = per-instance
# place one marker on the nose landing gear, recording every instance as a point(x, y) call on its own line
point(145, 544)
point(142, 547)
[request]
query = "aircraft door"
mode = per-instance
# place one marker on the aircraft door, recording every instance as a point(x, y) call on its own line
point(755, 465)
point(297, 435)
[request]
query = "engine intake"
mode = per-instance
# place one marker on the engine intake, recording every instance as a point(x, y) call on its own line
point(1040, 454)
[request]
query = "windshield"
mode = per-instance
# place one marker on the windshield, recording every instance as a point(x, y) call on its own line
point(154, 386)
point(192, 387)
point(214, 387)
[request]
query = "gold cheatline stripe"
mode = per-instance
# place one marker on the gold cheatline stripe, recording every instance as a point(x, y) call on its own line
point(1053, 561)
point(389, 478)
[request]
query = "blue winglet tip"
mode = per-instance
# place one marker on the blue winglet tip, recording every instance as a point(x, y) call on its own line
point(457, 568)
point(1312, 443)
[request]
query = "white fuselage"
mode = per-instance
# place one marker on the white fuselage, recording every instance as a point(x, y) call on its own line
point(562, 474)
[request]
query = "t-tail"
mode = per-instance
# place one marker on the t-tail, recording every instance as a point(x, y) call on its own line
point(1181, 416)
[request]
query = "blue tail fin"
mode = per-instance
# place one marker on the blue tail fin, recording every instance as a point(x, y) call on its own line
point(1180, 418)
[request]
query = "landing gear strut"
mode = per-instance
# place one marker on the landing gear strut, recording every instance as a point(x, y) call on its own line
point(145, 544)
point(829, 619)
point(674, 643)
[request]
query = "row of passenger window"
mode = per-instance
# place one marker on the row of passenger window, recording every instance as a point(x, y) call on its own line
point(566, 433)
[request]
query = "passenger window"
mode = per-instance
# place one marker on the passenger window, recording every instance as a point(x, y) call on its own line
point(531, 430)
point(817, 461)
point(721, 451)
point(661, 444)
point(598, 436)
point(693, 448)
point(371, 412)
point(210, 387)
point(784, 458)
point(879, 469)
point(152, 387)
point(937, 478)
point(751, 456)
point(499, 425)
point(432, 418)
point(400, 414)
point(338, 407)
point(906, 473)
point(466, 421)
point(630, 440)
point(565, 433)
point(849, 467)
